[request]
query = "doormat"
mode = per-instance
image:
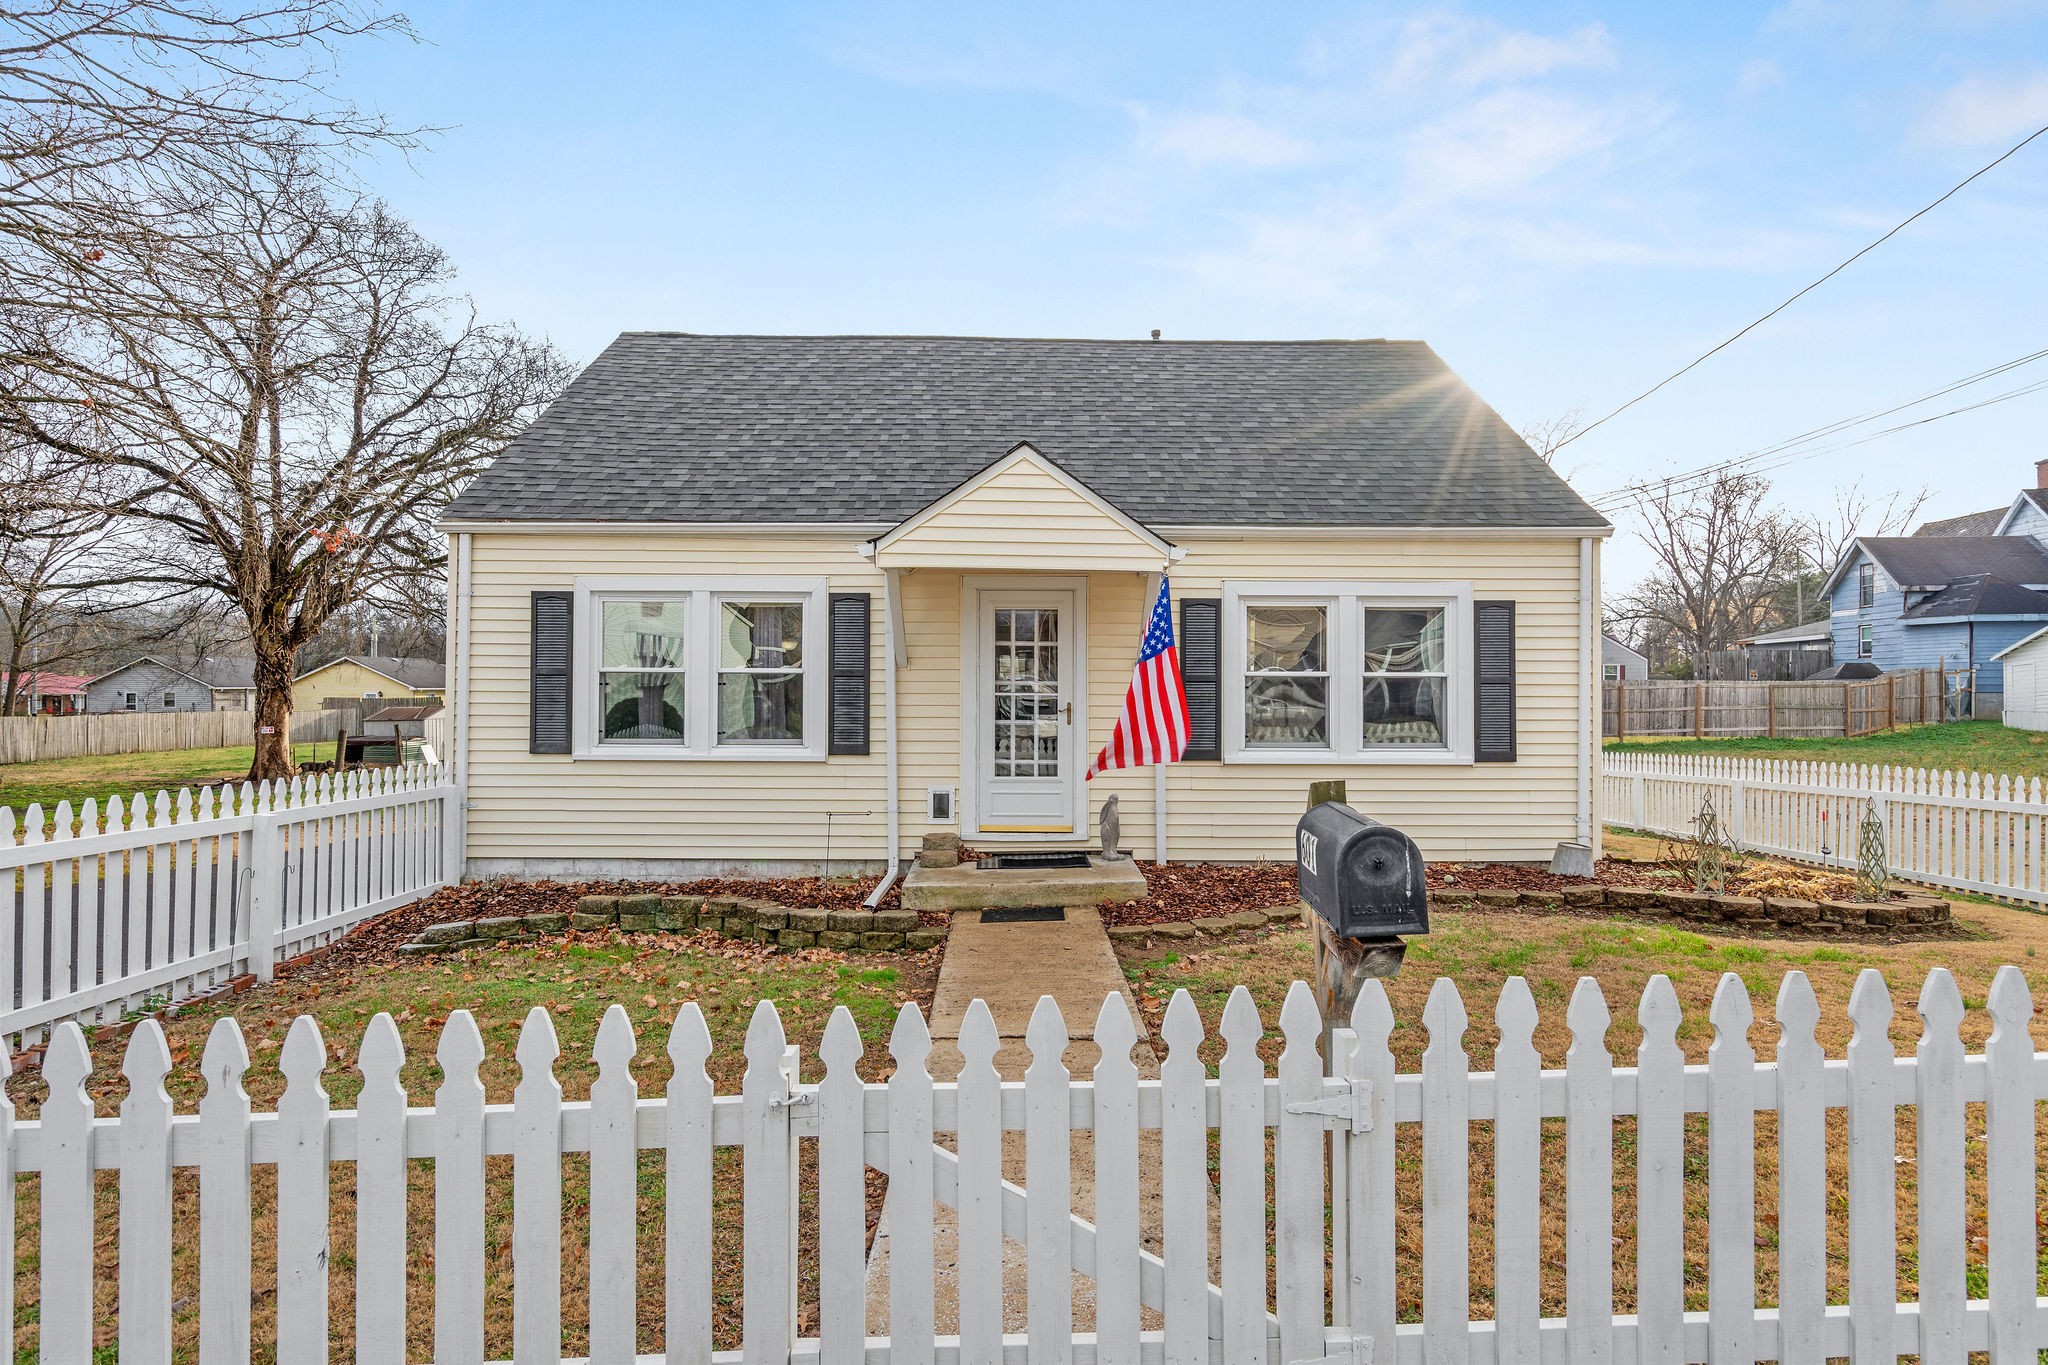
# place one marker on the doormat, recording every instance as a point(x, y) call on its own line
point(1025, 914)
point(1010, 862)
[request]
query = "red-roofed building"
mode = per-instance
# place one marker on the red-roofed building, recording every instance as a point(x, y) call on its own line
point(48, 694)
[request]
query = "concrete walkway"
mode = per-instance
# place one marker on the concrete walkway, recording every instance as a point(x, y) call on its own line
point(1010, 966)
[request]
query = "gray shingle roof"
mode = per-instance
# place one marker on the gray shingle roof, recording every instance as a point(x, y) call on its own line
point(1791, 635)
point(226, 674)
point(430, 674)
point(1936, 561)
point(667, 426)
point(1983, 523)
point(1979, 595)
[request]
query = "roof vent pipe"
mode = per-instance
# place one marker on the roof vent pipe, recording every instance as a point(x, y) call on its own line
point(1155, 337)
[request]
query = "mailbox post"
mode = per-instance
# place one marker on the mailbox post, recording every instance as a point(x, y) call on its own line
point(1364, 887)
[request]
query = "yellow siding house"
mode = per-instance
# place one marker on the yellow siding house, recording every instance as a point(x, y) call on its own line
point(772, 603)
point(357, 676)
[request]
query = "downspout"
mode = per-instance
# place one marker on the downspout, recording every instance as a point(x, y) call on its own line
point(1588, 653)
point(892, 820)
point(457, 860)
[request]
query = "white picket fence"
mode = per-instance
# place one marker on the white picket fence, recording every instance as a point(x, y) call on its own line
point(159, 898)
point(1981, 832)
point(1229, 1312)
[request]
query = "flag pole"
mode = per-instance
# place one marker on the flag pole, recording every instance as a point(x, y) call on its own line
point(1152, 586)
point(1158, 814)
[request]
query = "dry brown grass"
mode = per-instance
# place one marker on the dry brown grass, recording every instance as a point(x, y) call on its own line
point(575, 982)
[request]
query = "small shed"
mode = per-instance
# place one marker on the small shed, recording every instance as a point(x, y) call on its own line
point(409, 722)
point(2026, 682)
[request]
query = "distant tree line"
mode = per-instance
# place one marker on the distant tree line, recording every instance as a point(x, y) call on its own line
point(235, 389)
point(1729, 562)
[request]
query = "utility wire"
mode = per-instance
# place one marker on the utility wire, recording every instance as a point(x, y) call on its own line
point(1642, 493)
point(1902, 226)
point(1627, 493)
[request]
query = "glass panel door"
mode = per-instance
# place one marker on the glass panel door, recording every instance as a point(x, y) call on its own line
point(1028, 774)
point(1026, 712)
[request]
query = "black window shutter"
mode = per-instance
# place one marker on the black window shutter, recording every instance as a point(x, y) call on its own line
point(1493, 631)
point(553, 615)
point(849, 708)
point(1201, 671)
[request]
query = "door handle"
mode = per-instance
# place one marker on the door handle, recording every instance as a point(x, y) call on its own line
point(1069, 708)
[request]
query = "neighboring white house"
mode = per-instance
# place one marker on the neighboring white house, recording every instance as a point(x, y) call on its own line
point(2026, 682)
point(153, 684)
point(1619, 663)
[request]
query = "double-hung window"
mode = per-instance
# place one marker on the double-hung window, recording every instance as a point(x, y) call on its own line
point(1407, 681)
point(700, 667)
point(760, 671)
point(1866, 585)
point(1287, 676)
point(642, 693)
point(1365, 671)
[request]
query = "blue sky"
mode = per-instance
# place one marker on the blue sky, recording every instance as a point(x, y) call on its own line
point(1567, 201)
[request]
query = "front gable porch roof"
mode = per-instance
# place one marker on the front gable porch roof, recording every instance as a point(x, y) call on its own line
point(1022, 512)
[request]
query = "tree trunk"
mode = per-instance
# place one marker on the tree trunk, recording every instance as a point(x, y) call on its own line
point(273, 722)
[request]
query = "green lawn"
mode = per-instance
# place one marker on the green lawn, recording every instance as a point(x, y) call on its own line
point(74, 779)
point(1975, 745)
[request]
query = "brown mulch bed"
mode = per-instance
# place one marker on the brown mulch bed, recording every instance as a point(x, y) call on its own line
point(1185, 891)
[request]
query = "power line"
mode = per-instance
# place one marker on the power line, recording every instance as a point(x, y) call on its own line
point(1627, 493)
point(1641, 493)
point(1685, 369)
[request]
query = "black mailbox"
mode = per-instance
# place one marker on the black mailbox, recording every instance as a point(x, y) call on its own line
point(1364, 878)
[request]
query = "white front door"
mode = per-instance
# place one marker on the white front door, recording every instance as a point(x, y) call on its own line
point(1028, 776)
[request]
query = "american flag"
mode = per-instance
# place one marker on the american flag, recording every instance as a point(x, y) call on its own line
point(1153, 726)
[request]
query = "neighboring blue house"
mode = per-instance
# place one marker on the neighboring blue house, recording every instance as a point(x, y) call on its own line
point(1948, 594)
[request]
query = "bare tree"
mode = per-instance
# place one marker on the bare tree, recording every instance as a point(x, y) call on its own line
point(102, 101)
point(1544, 437)
point(1721, 554)
point(299, 400)
point(1856, 513)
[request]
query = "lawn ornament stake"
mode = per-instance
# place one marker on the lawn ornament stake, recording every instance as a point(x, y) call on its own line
point(1710, 850)
point(1873, 871)
point(1112, 827)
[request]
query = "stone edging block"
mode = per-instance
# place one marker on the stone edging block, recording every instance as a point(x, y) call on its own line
point(759, 921)
point(1824, 917)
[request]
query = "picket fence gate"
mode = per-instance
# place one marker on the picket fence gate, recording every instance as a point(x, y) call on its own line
point(153, 900)
point(1232, 1313)
point(1982, 832)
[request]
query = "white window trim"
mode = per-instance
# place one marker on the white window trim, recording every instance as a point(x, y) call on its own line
point(1345, 601)
point(700, 667)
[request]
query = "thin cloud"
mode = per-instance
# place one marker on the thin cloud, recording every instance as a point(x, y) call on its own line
point(1205, 138)
point(1987, 109)
point(1758, 74)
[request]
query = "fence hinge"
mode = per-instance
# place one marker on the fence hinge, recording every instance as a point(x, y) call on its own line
point(1356, 1351)
point(1349, 1108)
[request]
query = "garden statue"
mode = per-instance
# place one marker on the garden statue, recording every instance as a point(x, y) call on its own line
point(1112, 827)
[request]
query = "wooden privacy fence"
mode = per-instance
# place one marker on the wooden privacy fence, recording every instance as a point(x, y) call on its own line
point(160, 899)
point(1622, 1125)
point(1980, 832)
point(1654, 707)
point(29, 739)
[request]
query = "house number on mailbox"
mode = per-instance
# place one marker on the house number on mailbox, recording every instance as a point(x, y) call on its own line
point(1308, 850)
